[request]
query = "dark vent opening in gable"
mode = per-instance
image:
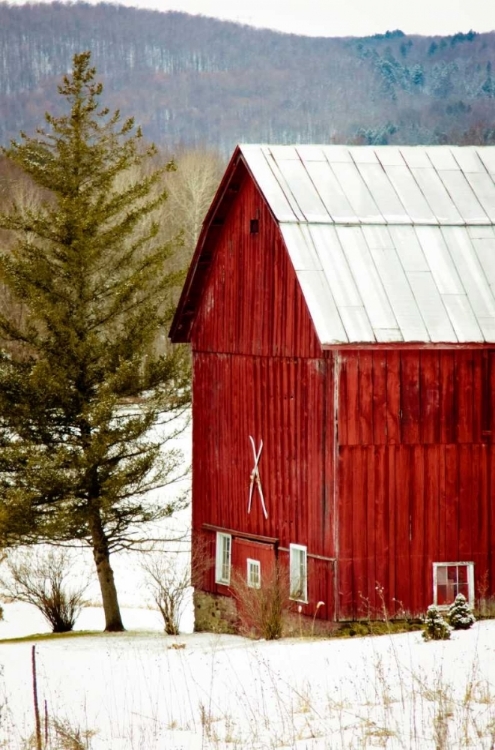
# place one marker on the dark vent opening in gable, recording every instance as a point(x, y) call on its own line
point(254, 226)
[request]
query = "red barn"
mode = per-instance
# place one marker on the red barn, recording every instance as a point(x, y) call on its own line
point(341, 311)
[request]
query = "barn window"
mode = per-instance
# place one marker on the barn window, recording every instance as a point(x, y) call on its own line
point(298, 573)
point(450, 579)
point(253, 573)
point(223, 558)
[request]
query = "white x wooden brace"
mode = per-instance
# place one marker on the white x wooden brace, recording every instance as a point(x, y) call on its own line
point(255, 478)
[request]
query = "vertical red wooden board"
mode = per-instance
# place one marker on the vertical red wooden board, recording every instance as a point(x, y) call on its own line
point(365, 398)
point(430, 397)
point(379, 398)
point(447, 401)
point(410, 401)
point(464, 391)
point(393, 398)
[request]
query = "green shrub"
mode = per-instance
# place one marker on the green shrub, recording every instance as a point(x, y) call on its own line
point(460, 614)
point(436, 629)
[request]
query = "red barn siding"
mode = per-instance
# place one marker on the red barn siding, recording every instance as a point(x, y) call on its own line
point(274, 401)
point(419, 492)
point(426, 396)
point(252, 303)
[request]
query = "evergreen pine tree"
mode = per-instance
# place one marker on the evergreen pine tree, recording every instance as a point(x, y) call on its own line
point(460, 615)
point(81, 384)
point(436, 629)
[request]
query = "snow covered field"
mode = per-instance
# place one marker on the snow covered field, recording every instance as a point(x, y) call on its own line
point(142, 689)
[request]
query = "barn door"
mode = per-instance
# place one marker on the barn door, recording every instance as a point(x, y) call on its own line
point(253, 562)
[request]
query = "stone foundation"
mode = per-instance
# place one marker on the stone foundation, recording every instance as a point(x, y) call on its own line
point(214, 613)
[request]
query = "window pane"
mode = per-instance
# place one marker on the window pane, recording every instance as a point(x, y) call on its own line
point(298, 573)
point(254, 574)
point(462, 572)
point(441, 595)
point(452, 573)
point(223, 558)
point(441, 574)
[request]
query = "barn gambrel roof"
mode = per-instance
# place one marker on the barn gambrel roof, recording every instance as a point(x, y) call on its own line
point(389, 244)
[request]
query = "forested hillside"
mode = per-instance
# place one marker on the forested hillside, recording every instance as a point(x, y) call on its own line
point(197, 81)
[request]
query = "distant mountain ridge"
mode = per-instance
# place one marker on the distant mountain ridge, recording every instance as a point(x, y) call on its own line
point(191, 80)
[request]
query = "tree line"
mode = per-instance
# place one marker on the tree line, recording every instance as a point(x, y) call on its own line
point(199, 81)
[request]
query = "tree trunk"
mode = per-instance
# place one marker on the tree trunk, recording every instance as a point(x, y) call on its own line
point(101, 554)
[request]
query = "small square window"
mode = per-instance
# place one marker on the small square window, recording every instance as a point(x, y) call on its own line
point(223, 558)
point(298, 573)
point(253, 573)
point(450, 579)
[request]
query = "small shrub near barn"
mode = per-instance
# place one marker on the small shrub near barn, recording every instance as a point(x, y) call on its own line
point(460, 615)
point(436, 629)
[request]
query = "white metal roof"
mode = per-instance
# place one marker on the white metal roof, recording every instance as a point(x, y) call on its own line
point(389, 243)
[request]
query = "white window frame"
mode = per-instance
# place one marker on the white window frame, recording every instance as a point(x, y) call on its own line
point(223, 558)
point(298, 567)
point(253, 566)
point(470, 580)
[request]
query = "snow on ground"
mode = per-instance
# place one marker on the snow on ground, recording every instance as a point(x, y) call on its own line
point(142, 689)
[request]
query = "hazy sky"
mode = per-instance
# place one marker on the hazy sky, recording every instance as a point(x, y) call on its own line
point(341, 17)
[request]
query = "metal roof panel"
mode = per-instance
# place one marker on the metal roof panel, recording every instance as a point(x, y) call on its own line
point(322, 308)
point(310, 153)
point(388, 336)
point(485, 251)
point(432, 308)
point(462, 317)
point(464, 197)
point(410, 195)
point(357, 193)
point(337, 154)
point(331, 192)
point(467, 159)
point(268, 184)
point(437, 197)
point(415, 157)
point(487, 325)
point(441, 158)
point(303, 190)
point(385, 197)
point(408, 249)
point(283, 153)
point(335, 266)
point(439, 260)
point(357, 324)
point(301, 249)
point(399, 292)
point(470, 270)
point(363, 155)
point(367, 278)
point(487, 156)
point(481, 233)
point(389, 156)
point(483, 187)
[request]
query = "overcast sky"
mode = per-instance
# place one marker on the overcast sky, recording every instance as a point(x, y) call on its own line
point(341, 17)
